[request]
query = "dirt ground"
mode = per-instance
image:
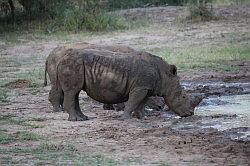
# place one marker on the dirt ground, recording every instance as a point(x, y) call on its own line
point(153, 141)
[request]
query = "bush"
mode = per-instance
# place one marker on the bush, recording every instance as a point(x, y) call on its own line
point(76, 20)
point(60, 15)
point(200, 12)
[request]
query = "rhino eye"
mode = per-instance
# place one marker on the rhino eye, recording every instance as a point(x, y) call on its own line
point(183, 97)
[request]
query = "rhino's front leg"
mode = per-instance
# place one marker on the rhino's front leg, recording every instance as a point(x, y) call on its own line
point(71, 107)
point(135, 103)
point(119, 107)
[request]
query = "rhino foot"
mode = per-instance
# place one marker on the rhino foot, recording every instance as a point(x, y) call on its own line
point(138, 114)
point(126, 115)
point(78, 117)
point(58, 109)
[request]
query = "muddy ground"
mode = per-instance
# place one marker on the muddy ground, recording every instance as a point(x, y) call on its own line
point(153, 141)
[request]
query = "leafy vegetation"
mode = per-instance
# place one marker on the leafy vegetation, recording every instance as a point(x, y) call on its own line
point(53, 16)
point(48, 17)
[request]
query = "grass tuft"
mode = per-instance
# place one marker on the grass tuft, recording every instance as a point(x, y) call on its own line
point(18, 136)
point(22, 121)
point(56, 154)
point(26, 136)
point(3, 95)
point(6, 138)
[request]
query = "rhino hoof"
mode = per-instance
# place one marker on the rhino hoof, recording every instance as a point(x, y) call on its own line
point(126, 116)
point(58, 109)
point(138, 115)
point(78, 118)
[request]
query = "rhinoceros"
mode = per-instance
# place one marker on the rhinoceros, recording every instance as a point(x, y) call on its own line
point(56, 93)
point(111, 78)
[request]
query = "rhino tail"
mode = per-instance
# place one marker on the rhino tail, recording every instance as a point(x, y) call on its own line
point(45, 75)
point(57, 78)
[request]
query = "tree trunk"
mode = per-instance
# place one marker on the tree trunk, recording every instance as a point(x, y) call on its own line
point(12, 8)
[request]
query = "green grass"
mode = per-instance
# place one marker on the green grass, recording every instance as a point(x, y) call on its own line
point(228, 2)
point(56, 154)
point(28, 122)
point(25, 122)
point(3, 95)
point(36, 77)
point(19, 136)
point(163, 164)
point(6, 138)
point(205, 58)
point(26, 136)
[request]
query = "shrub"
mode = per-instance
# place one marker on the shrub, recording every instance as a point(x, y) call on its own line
point(200, 12)
point(78, 19)
point(61, 15)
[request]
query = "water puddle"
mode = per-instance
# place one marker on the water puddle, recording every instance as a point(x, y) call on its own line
point(223, 110)
point(230, 114)
point(238, 105)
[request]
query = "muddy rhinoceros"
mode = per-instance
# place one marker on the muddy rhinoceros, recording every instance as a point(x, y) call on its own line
point(56, 94)
point(111, 78)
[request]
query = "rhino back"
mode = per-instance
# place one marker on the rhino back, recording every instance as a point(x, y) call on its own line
point(52, 61)
point(109, 77)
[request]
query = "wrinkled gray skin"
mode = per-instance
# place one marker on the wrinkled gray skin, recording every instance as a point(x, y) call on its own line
point(56, 93)
point(112, 78)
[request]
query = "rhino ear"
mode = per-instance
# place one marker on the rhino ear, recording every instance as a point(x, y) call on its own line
point(173, 69)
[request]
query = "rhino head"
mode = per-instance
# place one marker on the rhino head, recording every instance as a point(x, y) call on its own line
point(182, 103)
point(175, 97)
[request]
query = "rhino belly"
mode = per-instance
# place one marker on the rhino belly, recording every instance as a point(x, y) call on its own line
point(107, 96)
point(107, 90)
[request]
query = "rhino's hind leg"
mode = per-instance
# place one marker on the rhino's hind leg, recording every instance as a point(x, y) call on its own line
point(61, 100)
point(71, 107)
point(78, 109)
point(135, 103)
point(56, 98)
